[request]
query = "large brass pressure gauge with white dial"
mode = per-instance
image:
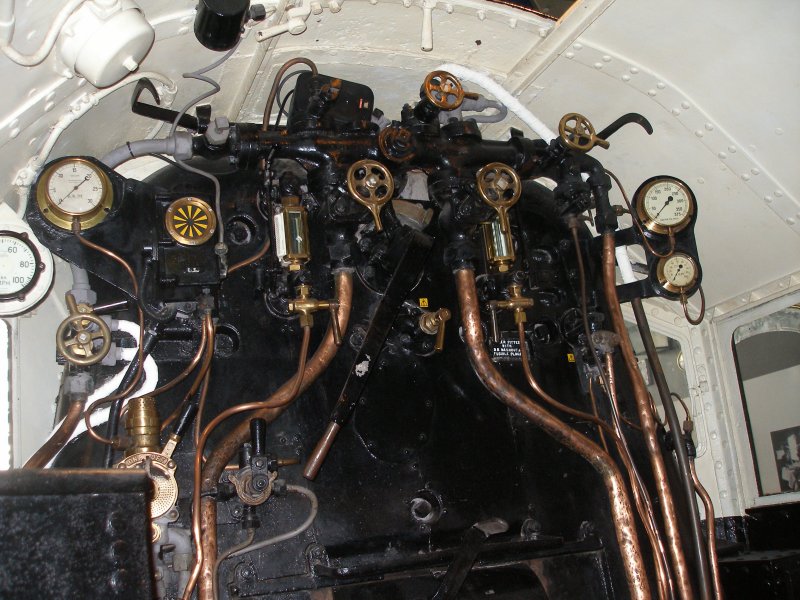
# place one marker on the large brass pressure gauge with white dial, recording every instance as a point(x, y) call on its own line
point(678, 273)
point(74, 188)
point(664, 204)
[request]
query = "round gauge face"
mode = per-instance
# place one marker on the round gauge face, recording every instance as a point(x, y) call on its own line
point(677, 272)
point(19, 266)
point(665, 204)
point(75, 188)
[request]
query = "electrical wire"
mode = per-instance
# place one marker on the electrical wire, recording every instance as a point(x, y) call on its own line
point(273, 92)
point(199, 75)
point(281, 109)
point(56, 25)
point(312, 514)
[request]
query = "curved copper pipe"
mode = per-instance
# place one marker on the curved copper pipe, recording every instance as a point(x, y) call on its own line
point(646, 419)
point(621, 510)
point(711, 538)
point(258, 255)
point(641, 500)
point(227, 447)
point(60, 437)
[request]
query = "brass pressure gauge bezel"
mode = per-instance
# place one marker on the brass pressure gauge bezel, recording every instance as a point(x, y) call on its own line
point(181, 222)
point(63, 218)
point(650, 222)
point(664, 282)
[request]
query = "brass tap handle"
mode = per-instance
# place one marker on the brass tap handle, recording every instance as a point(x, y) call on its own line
point(577, 133)
point(433, 323)
point(499, 186)
point(337, 330)
point(372, 186)
point(443, 90)
point(83, 338)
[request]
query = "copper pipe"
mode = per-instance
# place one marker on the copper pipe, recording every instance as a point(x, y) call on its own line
point(621, 510)
point(200, 558)
point(637, 484)
point(76, 230)
point(258, 255)
point(60, 437)
point(321, 450)
point(641, 500)
point(201, 406)
point(227, 447)
point(189, 368)
point(711, 538)
point(668, 513)
point(274, 89)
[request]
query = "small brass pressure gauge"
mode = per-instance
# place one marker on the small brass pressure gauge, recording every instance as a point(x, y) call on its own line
point(677, 273)
point(664, 204)
point(74, 188)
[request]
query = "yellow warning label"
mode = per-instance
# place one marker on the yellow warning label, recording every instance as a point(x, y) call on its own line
point(423, 303)
point(570, 357)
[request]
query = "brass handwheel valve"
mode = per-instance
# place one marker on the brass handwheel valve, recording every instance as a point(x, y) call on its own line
point(372, 186)
point(83, 338)
point(443, 90)
point(500, 187)
point(578, 133)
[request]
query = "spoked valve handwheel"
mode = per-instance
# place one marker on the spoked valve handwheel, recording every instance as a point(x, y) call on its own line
point(499, 186)
point(372, 186)
point(443, 90)
point(578, 133)
point(83, 338)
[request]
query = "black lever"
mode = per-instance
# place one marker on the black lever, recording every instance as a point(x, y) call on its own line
point(258, 436)
point(158, 113)
point(471, 544)
point(625, 120)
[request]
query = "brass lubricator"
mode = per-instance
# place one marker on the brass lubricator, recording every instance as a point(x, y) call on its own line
point(306, 306)
point(433, 323)
point(577, 133)
point(83, 338)
point(517, 303)
point(190, 221)
point(372, 186)
point(292, 242)
point(143, 425)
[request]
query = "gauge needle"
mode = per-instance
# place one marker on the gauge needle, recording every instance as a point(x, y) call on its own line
point(663, 207)
point(85, 179)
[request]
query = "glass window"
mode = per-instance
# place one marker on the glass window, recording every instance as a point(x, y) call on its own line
point(767, 354)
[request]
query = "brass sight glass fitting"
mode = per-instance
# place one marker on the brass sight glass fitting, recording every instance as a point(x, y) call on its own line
point(305, 306)
point(517, 303)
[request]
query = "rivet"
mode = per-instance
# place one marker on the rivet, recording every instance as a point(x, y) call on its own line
point(676, 111)
point(570, 55)
point(661, 85)
point(512, 23)
point(32, 141)
point(634, 70)
point(790, 221)
point(481, 14)
point(448, 8)
point(701, 180)
point(651, 92)
point(778, 193)
point(406, 3)
point(778, 131)
point(606, 58)
point(746, 176)
point(49, 106)
point(718, 465)
point(685, 105)
point(598, 65)
point(723, 494)
point(722, 155)
point(577, 46)
point(183, 30)
point(709, 127)
point(732, 149)
point(699, 133)
point(714, 435)
point(755, 171)
point(768, 199)
point(14, 132)
point(626, 78)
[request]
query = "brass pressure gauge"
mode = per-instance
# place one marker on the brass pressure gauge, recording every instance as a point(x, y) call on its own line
point(74, 188)
point(664, 204)
point(677, 273)
point(190, 221)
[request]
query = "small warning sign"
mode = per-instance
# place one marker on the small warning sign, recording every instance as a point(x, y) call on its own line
point(423, 303)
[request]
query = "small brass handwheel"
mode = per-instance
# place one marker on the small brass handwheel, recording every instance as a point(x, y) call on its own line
point(577, 133)
point(83, 338)
point(499, 186)
point(443, 90)
point(371, 185)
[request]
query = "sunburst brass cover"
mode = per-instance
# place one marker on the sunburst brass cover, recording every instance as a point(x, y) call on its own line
point(190, 221)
